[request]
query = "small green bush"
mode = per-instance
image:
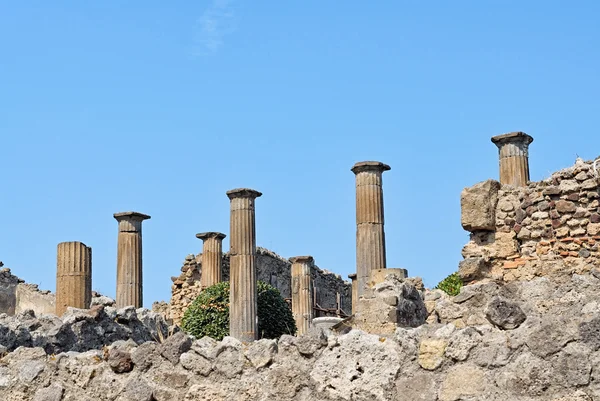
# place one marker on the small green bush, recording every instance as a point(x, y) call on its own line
point(208, 315)
point(451, 285)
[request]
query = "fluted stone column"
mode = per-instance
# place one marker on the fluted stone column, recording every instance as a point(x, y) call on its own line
point(370, 236)
point(212, 258)
point(129, 259)
point(513, 149)
point(242, 264)
point(302, 307)
point(73, 276)
point(354, 292)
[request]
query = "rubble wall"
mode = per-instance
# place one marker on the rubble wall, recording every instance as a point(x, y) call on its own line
point(271, 268)
point(526, 341)
point(549, 228)
point(17, 296)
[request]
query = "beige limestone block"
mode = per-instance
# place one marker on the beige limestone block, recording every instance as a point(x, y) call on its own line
point(593, 228)
point(431, 353)
point(463, 381)
point(505, 244)
point(478, 206)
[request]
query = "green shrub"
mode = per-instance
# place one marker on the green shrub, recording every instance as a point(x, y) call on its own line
point(451, 285)
point(208, 315)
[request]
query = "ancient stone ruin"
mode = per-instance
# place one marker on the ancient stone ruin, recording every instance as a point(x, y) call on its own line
point(525, 326)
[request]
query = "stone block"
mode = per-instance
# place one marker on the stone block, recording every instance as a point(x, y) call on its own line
point(471, 268)
point(478, 206)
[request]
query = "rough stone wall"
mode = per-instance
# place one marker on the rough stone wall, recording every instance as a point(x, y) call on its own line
point(550, 227)
point(17, 296)
point(8, 292)
point(271, 268)
point(523, 341)
point(30, 297)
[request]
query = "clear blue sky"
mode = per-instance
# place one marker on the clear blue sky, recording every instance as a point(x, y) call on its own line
point(161, 107)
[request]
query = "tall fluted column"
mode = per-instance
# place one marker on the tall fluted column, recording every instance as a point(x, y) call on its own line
point(212, 258)
point(370, 236)
point(513, 150)
point(242, 265)
point(302, 307)
point(354, 292)
point(73, 276)
point(129, 259)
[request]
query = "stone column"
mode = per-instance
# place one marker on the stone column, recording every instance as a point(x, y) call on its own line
point(73, 276)
point(129, 259)
point(212, 258)
point(513, 149)
point(370, 236)
point(302, 307)
point(242, 265)
point(354, 292)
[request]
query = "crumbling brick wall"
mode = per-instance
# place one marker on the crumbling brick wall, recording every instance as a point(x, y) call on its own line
point(551, 227)
point(270, 268)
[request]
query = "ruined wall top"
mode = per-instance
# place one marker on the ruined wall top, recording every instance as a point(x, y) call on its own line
point(551, 227)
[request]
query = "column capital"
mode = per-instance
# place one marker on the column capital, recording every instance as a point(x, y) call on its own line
point(512, 137)
point(352, 276)
point(243, 193)
point(370, 166)
point(130, 221)
point(210, 234)
point(301, 259)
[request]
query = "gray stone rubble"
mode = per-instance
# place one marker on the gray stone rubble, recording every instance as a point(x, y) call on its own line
point(522, 341)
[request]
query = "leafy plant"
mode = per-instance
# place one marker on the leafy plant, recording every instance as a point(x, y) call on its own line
point(208, 315)
point(451, 285)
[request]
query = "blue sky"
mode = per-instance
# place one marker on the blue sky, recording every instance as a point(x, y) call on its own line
point(162, 107)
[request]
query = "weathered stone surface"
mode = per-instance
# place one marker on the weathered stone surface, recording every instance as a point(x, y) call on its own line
point(119, 360)
point(471, 268)
point(462, 343)
point(431, 352)
point(262, 352)
point(196, 363)
point(53, 392)
point(504, 313)
point(463, 381)
point(478, 206)
point(176, 345)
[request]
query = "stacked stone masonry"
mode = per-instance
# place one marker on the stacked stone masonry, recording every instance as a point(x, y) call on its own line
point(270, 268)
point(548, 228)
